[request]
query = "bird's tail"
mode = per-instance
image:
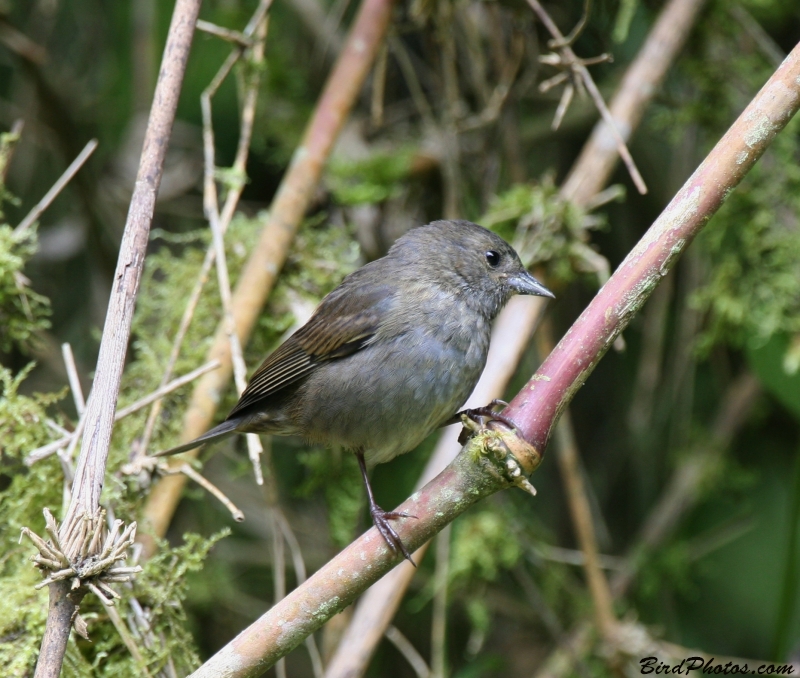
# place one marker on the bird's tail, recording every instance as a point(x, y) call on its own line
point(223, 430)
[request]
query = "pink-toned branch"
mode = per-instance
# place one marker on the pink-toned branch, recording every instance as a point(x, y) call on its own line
point(537, 407)
point(473, 475)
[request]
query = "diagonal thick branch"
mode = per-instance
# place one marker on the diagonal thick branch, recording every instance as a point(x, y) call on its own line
point(475, 474)
point(537, 407)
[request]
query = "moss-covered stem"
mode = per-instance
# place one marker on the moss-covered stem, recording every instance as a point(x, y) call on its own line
point(473, 475)
point(91, 466)
point(537, 407)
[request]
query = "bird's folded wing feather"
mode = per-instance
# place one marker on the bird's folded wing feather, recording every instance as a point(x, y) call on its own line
point(342, 325)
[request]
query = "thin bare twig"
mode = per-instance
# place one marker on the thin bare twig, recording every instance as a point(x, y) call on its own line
point(211, 209)
point(166, 389)
point(451, 157)
point(404, 646)
point(57, 187)
point(763, 40)
point(681, 491)
point(99, 417)
point(51, 448)
point(206, 484)
point(569, 462)
point(500, 93)
point(21, 44)
point(639, 84)
point(127, 638)
point(231, 201)
point(578, 66)
point(378, 87)
point(312, 13)
point(439, 620)
point(74, 380)
point(412, 82)
point(279, 527)
point(559, 43)
point(237, 37)
point(300, 575)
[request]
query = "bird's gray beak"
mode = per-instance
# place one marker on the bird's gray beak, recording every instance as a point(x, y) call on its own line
point(524, 283)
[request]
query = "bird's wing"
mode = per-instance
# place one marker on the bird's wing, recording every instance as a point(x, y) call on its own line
point(344, 323)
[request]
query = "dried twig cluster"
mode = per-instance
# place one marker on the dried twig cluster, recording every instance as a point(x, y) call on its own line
point(88, 555)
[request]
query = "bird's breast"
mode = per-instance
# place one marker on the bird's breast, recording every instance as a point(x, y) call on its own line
point(387, 397)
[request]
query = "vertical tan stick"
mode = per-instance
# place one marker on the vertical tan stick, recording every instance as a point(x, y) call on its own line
point(261, 271)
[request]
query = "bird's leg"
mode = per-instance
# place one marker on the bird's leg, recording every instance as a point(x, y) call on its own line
point(480, 416)
point(487, 413)
point(483, 415)
point(381, 518)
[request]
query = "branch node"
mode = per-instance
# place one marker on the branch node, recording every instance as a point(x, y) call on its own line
point(82, 560)
point(512, 456)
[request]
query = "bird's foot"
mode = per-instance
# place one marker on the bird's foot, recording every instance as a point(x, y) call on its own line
point(475, 419)
point(381, 519)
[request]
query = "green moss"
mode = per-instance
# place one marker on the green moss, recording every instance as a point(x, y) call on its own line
point(23, 312)
point(160, 590)
point(7, 142)
point(371, 180)
point(752, 291)
point(482, 547)
point(545, 229)
point(25, 491)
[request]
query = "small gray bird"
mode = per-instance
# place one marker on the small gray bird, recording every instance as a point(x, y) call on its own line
point(390, 354)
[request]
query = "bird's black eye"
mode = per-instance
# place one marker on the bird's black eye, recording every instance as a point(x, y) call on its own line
point(493, 258)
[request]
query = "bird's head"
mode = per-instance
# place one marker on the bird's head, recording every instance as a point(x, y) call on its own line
point(471, 259)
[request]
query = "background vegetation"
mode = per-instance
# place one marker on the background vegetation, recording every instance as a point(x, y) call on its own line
point(724, 580)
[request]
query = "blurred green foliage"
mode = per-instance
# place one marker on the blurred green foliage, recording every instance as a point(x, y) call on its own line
point(548, 230)
point(370, 180)
point(752, 246)
point(23, 312)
